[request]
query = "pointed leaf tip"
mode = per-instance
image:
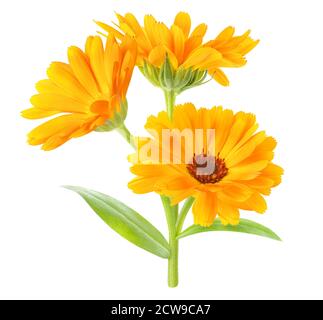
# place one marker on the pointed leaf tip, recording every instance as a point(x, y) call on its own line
point(245, 226)
point(125, 221)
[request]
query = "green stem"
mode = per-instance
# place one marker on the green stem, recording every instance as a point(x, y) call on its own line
point(171, 211)
point(171, 217)
point(123, 130)
point(183, 213)
point(170, 97)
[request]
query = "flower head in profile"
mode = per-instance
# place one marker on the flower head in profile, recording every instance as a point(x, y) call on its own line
point(214, 155)
point(184, 48)
point(86, 93)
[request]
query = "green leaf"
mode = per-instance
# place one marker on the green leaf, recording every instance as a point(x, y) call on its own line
point(125, 221)
point(245, 226)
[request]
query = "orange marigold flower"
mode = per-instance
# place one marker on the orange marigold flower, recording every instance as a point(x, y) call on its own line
point(90, 90)
point(226, 171)
point(184, 48)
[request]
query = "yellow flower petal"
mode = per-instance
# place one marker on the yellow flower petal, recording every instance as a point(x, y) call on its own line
point(228, 214)
point(134, 24)
point(234, 192)
point(48, 86)
point(237, 156)
point(204, 209)
point(225, 34)
point(223, 124)
point(179, 42)
point(96, 56)
point(219, 76)
point(234, 136)
point(259, 183)
point(273, 172)
point(199, 31)
point(54, 102)
point(57, 131)
point(255, 203)
point(61, 75)
point(109, 29)
point(183, 21)
point(201, 57)
point(142, 185)
point(80, 66)
point(177, 196)
point(246, 172)
point(151, 30)
point(36, 113)
point(157, 56)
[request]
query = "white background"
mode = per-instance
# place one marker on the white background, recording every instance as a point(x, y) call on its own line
point(53, 246)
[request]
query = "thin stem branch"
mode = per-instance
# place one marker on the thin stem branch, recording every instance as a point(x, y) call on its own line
point(183, 213)
point(123, 130)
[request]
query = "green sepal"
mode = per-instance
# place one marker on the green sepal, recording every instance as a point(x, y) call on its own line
point(166, 75)
point(150, 72)
point(117, 120)
point(169, 79)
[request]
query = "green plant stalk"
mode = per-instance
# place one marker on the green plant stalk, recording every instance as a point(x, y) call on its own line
point(174, 222)
point(171, 211)
point(170, 97)
point(123, 130)
point(183, 213)
point(171, 217)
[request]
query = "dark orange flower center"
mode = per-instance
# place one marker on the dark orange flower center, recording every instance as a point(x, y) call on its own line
point(207, 169)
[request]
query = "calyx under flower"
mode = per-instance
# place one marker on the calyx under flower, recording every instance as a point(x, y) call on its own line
point(117, 118)
point(170, 79)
